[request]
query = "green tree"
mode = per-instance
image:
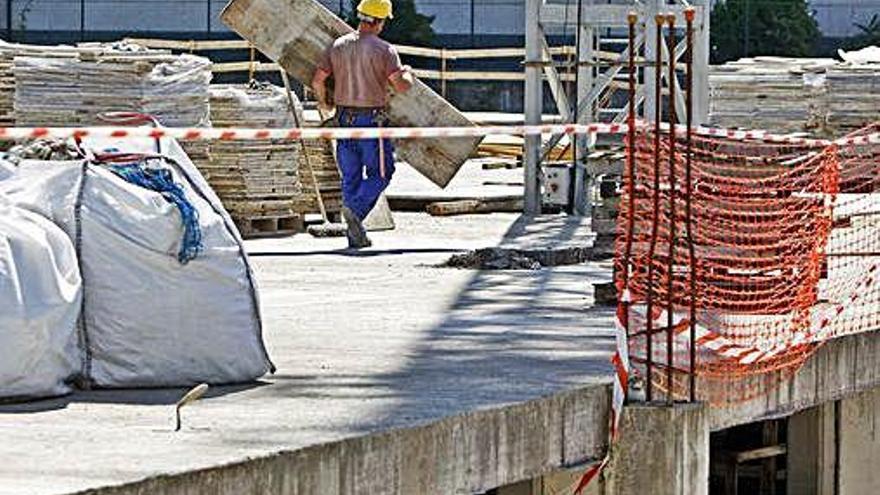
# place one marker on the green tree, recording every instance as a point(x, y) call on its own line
point(408, 26)
point(742, 28)
point(869, 34)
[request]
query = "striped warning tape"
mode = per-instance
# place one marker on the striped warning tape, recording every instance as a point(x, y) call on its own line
point(234, 134)
point(620, 362)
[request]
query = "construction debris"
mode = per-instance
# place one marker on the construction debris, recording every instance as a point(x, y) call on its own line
point(76, 88)
point(821, 96)
point(853, 97)
point(783, 94)
point(493, 259)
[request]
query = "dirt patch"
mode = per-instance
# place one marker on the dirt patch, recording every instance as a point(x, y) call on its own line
point(493, 259)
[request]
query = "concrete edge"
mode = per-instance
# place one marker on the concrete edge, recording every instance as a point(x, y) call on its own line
point(466, 453)
point(841, 368)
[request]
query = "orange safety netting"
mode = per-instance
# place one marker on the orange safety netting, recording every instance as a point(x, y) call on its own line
point(772, 250)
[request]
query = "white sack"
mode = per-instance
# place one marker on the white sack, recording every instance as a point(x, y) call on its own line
point(148, 319)
point(40, 291)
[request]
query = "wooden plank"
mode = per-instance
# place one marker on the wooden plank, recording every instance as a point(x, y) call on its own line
point(295, 34)
point(761, 453)
point(224, 67)
point(190, 45)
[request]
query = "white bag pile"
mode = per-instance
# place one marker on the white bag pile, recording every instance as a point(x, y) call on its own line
point(40, 290)
point(149, 317)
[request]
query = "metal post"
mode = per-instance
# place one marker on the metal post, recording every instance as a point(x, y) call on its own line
point(655, 217)
point(82, 20)
point(632, 18)
point(701, 64)
point(692, 258)
point(208, 15)
point(653, 51)
point(670, 269)
point(533, 106)
point(583, 82)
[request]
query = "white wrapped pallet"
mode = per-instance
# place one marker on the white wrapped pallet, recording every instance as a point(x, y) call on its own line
point(40, 290)
point(152, 316)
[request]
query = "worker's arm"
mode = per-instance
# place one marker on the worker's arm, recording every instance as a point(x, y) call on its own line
point(402, 80)
point(319, 86)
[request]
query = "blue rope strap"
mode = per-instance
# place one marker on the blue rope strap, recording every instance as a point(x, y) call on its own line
point(160, 180)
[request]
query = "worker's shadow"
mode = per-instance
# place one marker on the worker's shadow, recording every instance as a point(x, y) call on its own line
point(142, 397)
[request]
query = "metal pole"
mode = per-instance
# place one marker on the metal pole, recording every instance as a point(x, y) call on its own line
point(692, 258)
point(533, 107)
point(632, 18)
point(208, 15)
point(655, 219)
point(670, 274)
point(581, 204)
point(82, 20)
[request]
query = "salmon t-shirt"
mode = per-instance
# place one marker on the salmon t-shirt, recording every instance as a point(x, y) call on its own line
point(361, 65)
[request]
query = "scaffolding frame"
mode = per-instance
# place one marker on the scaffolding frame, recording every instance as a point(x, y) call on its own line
point(597, 74)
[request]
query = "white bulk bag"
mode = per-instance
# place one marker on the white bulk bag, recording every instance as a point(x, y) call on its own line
point(39, 306)
point(149, 320)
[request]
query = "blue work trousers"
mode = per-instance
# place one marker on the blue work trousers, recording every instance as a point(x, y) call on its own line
point(362, 180)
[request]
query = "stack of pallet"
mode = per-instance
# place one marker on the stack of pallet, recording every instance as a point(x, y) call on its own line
point(853, 97)
point(74, 90)
point(774, 93)
point(7, 89)
point(256, 180)
point(265, 185)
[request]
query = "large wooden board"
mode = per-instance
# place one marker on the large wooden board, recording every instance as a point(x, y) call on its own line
point(295, 33)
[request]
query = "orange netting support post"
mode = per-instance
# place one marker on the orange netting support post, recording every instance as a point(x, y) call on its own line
point(776, 252)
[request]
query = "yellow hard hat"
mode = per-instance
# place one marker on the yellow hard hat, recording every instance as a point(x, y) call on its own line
point(377, 9)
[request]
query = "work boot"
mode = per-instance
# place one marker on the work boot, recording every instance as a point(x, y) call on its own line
point(357, 234)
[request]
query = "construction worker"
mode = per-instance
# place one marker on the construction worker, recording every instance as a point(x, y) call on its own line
point(362, 67)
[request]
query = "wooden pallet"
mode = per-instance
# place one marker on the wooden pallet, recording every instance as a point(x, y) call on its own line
point(251, 228)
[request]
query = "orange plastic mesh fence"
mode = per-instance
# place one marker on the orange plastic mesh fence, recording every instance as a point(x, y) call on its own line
point(784, 249)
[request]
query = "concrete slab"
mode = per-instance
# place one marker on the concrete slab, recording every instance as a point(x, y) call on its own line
point(393, 377)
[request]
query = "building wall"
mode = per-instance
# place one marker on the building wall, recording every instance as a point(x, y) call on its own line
point(452, 17)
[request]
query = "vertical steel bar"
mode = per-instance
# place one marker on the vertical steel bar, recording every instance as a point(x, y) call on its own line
point(82, 20)
point(632, 18)
point(208, 15)
point(689, 14)
point(655, 219)
point(670, 265)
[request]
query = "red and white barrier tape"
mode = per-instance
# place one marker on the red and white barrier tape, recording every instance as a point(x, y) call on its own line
point(620, 361)
point(235, 134)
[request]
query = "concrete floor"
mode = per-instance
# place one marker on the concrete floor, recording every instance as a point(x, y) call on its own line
point(364, 342)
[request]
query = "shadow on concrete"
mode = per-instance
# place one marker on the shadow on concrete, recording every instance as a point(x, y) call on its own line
point(362, 253)
point(143, 397)
point(509, 336)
